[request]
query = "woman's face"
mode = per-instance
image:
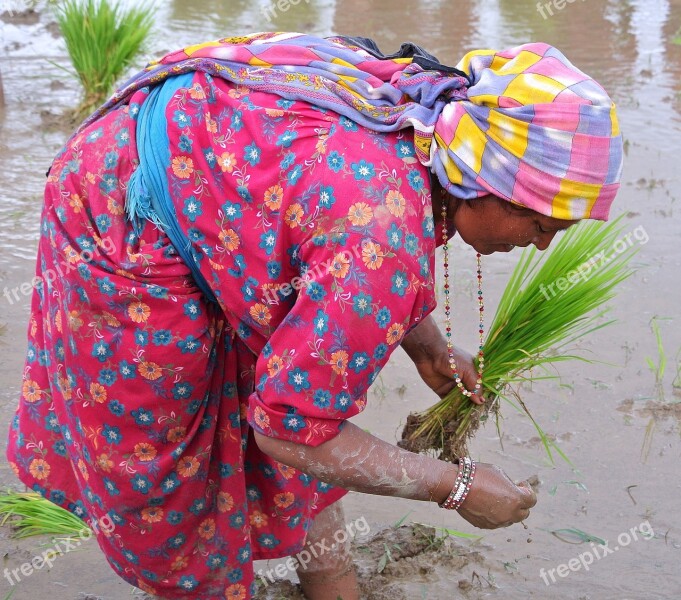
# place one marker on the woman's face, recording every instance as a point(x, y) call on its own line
point(490, 224)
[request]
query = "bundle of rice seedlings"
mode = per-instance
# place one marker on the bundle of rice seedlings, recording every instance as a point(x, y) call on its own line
point(102, 39)
point(549, 303)
point(31, 514)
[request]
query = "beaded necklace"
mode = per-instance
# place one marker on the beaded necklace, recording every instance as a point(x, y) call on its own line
point(448, 320)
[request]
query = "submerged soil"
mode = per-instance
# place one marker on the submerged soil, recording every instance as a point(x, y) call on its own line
point(617, 422)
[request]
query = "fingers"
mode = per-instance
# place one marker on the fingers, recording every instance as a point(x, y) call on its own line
point(476, 399)
point(529, 497)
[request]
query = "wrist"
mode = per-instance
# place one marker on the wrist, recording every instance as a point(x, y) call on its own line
point(445, 484)
point(424, 342)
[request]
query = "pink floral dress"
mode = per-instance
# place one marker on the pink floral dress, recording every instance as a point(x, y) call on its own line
point(140, 397)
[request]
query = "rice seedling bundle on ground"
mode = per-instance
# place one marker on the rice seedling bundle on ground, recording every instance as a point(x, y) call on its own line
point(548, 304)
point(102, 39)
point(31, 514)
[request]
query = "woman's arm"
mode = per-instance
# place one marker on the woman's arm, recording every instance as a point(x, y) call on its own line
point(427, 347)
point(356, 460)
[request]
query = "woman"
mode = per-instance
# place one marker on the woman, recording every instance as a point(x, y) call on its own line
point(191, 370)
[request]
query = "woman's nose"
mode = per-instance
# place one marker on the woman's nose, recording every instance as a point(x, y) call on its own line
point(543, 240)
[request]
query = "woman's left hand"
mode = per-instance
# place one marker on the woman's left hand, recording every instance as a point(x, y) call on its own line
point(438, 376)
point(427, 347)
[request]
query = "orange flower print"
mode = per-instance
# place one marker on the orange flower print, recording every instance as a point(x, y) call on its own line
point(104, 463)
point(258, 519)
point(320, 147)
point(139, 312)
point(284, 499)
point(262, 419)
point(339, 361)
point(150, 370)
point(31, 391)
point(58, 322)
point(71, 254)
point(273, 197)
point(115, 207)
point(188, 466)
point(372, 255)
point(176, 434)
point(225, 502)
point(286, 471)
point(395, 202)
point(260, 313)
point(211, 124)
point(360, 214)
point(196, 92)
point(76, 203)
point(111, 320)
point(274, 112)
point(179, 563)
point(340, 266)
point(294, 215)
point(152, 514)
point(183, 167)
point(274, 365)
point(64, 387)
point(75, 322)
point(145, 451)
point(230, 240)
point(82, 467)
point(235, 591)
point(39, 468)
point(98, 392)
point(395, 333)
point(207, 529)
point(227, 162)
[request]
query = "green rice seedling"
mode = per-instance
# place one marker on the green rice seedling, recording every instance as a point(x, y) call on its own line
point(658, 369)
point(549, 303)
point(102, 39)
point(31, 515)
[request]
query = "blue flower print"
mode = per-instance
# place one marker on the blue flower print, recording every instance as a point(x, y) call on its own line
point(185, 144)
point(298, 379)
point(192, 208)
point(394, 235)
point(293, 422)
point(182, 119)
point(232, 210)
point(326, 197)
point(364, 170)
point(400, 283)
point(347, 124)
point(192, 309)
point(415, 180)
point(342, 402)
point(361, 304)
point(359, 362)
point(405, 149)
point(321, 398)
point(321, 322)
point(286, 139)
point(335, 161)
point(252, 154)
point(383, 317)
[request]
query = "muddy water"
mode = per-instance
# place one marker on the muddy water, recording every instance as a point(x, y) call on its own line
point(621, 432)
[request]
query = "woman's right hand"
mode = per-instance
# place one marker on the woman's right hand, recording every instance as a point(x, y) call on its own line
point(495, 501)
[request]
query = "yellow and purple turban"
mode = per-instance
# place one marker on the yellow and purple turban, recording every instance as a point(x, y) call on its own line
point(523, 124)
